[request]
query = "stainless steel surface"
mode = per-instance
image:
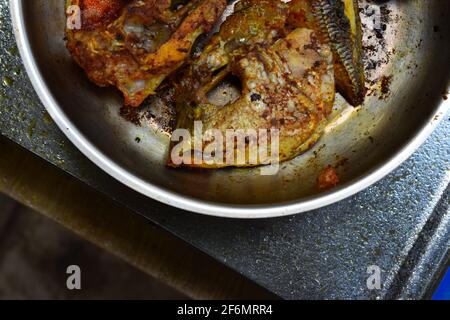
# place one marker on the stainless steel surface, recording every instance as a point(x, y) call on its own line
point(365, 144)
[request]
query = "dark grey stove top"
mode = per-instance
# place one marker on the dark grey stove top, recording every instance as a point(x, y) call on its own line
point(401, 224)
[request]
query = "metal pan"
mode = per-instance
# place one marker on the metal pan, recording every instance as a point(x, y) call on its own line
point(408, 66)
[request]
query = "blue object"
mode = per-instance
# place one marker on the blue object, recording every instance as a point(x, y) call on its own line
point(443, 291)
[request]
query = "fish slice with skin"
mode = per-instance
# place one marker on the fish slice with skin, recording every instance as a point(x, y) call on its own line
point(288, 86)
point(340, 23)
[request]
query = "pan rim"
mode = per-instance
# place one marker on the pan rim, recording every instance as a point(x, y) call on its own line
point(195, 205)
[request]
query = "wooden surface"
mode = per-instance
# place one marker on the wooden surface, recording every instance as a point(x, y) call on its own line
point(45, 188)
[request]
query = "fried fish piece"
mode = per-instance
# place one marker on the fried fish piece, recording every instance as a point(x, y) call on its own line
point(288, 86)
point(340, 22)
point(253, 23)
point(135, 45)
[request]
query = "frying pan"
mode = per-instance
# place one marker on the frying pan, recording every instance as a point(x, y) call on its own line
point(407, 65)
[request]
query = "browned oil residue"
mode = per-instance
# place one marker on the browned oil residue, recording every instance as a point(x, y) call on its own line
point(385, 86)
point(132, 115)
point(341, 162)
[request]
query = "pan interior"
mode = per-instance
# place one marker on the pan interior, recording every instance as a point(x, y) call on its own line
point(407, 67)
